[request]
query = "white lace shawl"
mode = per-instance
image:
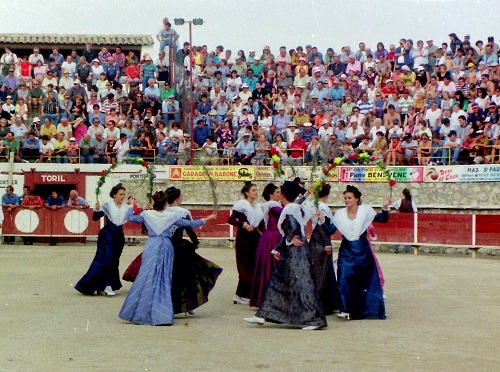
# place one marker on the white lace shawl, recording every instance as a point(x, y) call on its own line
point(159, 221)
point(254, 214)
point(327, 212)
point(353, 229)
point(116, 215)
point(266, 207)
point(292, 209)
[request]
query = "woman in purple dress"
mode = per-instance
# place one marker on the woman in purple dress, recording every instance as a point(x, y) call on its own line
point(264, 260)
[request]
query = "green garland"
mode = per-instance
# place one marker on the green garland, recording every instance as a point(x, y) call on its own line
point(138, 161)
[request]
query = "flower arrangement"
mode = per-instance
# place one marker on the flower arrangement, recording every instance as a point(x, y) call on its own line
point(139, 161)
point(276, 162)
point(387, 173)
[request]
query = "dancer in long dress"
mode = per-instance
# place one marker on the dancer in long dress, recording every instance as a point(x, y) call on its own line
point(247, 216)
point(291, 296)
point(193, 277)
point(103, 276)
point(357, 275)
point(149, 300)
point(320, 245)
point(264, 260)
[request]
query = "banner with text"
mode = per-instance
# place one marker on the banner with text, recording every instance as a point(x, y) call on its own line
point(222, 173)
point(304, 172)
point(463, 173)
point(375, 174)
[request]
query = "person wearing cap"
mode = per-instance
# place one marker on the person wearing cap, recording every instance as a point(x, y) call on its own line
point(78, 90)
point(239, 66)
point(355, 132)
point(148, 71)
point(481, 147)
point(245, 93)
point(475, 113)
point(301, 117)
point(72, 151)
point(308, 133)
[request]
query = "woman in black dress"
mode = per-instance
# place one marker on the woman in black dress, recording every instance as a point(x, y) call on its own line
point(248, 217)
point(291, 296)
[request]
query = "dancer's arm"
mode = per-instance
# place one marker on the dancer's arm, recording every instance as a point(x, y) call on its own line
point(97, 212)
point(181, 222)
point(328, 227)
point(383, 216)
point(293, 232)
point(134, 218)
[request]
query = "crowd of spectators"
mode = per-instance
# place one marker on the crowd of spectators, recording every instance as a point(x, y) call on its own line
point(407, 104)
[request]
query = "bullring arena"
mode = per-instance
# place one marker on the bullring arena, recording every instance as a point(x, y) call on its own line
point(441, 304)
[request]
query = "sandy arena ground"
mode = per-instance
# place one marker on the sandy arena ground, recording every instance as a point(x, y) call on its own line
point(442, 314)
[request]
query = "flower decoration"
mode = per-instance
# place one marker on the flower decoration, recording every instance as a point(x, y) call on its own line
point(388, 175)
point(139, 161)
point(276, 162)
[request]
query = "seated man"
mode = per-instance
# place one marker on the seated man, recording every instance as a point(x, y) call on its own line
point(245, 150)
point(32, 201)
point(451, 148)
point(87, 147)
point(31, 148)
point(60, 148)
point(297, 150)
point(164, 149)
point(46, 150)
point(409, 145)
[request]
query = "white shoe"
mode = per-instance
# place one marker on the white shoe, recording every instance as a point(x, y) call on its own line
point(108, 291)
point(255, 319)
point(311, 328)
point(192, 312)
point(344, 315)
point(240, 300)
point(384, 296)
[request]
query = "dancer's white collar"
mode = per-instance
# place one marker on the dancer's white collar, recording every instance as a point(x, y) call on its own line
point(254, 213)
point(353, 229)
point(116, 215)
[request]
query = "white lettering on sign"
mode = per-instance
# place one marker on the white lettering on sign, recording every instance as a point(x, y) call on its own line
point(6, 182)
point(50, 178)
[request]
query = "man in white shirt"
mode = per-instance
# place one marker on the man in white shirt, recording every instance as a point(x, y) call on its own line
point(325, 131)
point(453, 144)
point(457, 112)
point(432, 116)
point(70, 66)
point(121, 147)
point(355, 132)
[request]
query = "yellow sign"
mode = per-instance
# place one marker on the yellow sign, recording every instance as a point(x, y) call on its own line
point(222, 173)
point(264, 173)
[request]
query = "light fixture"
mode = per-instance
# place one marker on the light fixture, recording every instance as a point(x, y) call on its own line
point(197, 21)
point(179, 21)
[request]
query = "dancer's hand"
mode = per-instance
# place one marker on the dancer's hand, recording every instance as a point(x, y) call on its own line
point(276, 256)
point(97, 206)
point(248, 227)
point(328, 251)
point(321, 216)
point(296, 241)
point(213, 216)
point(387, 203)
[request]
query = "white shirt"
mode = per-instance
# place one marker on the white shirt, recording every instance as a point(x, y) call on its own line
point(121, 149)
point(44, 149)
point(432, 116)
point(354, 133)
point(324, 133)
point(71, 67)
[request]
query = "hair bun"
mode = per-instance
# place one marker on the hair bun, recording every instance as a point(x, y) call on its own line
point(351, 188)
point(158, 195)
point(248, 183)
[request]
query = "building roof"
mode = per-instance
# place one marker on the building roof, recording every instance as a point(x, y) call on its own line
point(76, 39)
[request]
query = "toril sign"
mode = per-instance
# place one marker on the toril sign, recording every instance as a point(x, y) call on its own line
point(50, 178)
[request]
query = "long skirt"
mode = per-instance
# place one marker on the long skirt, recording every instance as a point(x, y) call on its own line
point(358, 281)
point(193, 277)
point(103, 270)
point(245, 247)
point(149, 300)
point(291, 296)
point(264, 265)
point(324, 276)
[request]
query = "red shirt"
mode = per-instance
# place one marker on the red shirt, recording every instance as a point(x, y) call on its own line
point(25, 68)
point(35, 201)
point(299, 144)
point(133, 72)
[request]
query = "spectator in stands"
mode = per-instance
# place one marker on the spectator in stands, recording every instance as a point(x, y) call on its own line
point(245, 150)
point(76, 201)
point(31, 201)
point(60, 148)
point(31, 148)
point(46, 150)
point(11, 146)
point(298, 149)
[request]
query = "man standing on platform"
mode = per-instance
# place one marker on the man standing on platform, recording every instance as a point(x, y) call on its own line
point(10, 201)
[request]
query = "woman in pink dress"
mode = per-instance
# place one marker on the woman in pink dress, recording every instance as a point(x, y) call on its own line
point(264, 260)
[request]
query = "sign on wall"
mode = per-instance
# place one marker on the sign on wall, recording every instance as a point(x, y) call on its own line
point(375, 174)
point(463, 173)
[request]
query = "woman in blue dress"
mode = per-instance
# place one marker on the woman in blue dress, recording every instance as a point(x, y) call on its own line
point(103, 276)
point(361, 295)
point(149, 300)
point(193, 277)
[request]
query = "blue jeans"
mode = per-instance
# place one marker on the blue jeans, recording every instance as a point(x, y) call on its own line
point(145, 82)
point(62, 159)
point(454, 156)
point(86, 159)
point(174, 117)
point(53, 117)
point(163, 45)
